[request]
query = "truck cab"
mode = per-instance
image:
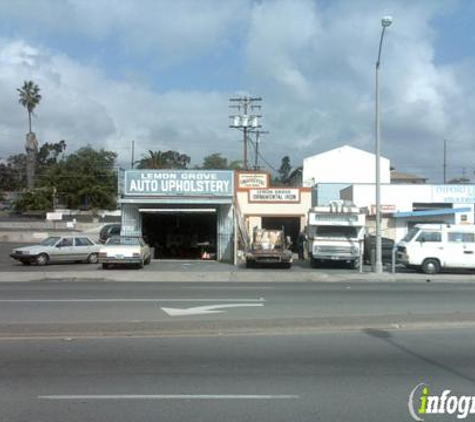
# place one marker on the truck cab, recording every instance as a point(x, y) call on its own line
point(335, 234)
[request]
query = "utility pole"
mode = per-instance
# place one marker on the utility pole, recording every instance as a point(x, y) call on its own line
point(132, 162)
point(258, 140)
point(245, 120)
point(445, 161)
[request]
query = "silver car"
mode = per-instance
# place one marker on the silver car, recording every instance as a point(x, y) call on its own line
point(124, 250)
point(77, 248)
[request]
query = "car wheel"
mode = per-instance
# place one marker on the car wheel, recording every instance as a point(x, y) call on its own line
point(93, 258)
point(431, 266)
point(42, 259)
point(148, 260)
point(313, 263)
point(105, 266)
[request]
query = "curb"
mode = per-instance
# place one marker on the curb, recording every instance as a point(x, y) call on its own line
point(228, 276)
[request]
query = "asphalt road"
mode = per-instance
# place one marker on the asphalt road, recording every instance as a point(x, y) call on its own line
point(361, 376)
point(137, 309)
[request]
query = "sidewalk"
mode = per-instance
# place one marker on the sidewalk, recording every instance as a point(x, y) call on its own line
point(192, 271)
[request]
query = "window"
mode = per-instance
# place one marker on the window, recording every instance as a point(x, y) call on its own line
point(50, 241)
point(430, 237)
point(83, 241)
point(410, 234)
point(462, 237)
point(66, 242)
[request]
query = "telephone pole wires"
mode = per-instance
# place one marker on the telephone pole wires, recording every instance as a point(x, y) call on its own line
point(245, 119)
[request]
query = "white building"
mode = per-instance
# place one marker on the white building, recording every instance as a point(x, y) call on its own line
point(404, 205)
point(344, 165)
point(349, 173)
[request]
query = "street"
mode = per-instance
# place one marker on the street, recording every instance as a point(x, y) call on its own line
point(230, 351)
point(361, 376)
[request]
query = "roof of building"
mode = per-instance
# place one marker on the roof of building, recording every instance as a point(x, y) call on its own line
point(427, 213)
point(401, 177)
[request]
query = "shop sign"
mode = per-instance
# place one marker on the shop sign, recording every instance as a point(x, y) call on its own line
point(178, 183)
point(385, 209)
point(51, 216)
point(454, 194)
point(274, 195)
point(253, 180)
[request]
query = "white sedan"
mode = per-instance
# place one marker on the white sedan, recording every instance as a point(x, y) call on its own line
point(125, 250)
point(77, 248)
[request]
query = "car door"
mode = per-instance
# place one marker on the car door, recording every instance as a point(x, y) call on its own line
point(64, 249)
point(460, 250)
point(428, 244)
point(82, 248)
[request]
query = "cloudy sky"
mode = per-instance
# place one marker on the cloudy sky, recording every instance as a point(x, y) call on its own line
point(161, 72)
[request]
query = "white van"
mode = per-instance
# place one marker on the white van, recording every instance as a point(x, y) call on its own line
point(432, 247)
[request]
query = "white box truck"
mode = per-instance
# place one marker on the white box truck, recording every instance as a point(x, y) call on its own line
point(433, 247)
point(335, 233)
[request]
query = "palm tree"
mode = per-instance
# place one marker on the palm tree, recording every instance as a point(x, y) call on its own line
point(29, 98)
point(155, 160)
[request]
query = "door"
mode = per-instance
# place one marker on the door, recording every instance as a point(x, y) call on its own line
point(64, 250)
point(428, 244)
point(82, 248)
point(460, 250)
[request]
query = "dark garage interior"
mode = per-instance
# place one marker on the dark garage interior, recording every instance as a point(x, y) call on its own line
point(181, 234)
point(291, 227)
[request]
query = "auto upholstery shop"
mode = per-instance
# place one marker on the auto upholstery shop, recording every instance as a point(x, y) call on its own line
point(182, 214)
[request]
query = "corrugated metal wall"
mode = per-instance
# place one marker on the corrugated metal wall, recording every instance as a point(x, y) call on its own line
point(131, 220)
point(226, 233)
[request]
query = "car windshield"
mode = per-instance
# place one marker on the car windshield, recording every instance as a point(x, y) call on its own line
point(50, 241)
point(130, 241)
point(410, 235)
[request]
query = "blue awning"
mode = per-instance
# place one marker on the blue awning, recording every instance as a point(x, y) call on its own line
point(428, 213)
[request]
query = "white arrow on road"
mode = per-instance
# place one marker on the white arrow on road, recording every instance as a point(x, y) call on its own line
point(209, 309)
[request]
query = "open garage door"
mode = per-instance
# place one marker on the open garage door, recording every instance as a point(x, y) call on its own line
point(291, 227)
point(188, 233)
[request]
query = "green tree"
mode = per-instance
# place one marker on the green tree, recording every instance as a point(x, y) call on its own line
point(85, 179)
point(35, 200)
point(164, 160)
point(29, 98)
point(284, 170)
point(215, 162)
point(13, 173)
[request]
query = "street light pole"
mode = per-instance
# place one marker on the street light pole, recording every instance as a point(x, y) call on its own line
point(378, 268)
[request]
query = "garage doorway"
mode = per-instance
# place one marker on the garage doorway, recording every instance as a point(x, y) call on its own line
point(181, 234)
point(291, 227)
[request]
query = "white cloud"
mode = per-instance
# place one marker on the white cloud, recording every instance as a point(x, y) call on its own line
point(312, 62)
point(81, 105)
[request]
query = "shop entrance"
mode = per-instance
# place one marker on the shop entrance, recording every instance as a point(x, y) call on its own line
point(291, 227)
point(181, 234)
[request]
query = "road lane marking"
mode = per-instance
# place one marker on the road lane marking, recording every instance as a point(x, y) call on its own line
point(209, 309)
point(125, 300)
point(174, 397)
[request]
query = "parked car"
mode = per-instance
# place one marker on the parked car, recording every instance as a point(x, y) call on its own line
point(387, 246)
point(125, 250)
point(58, 249)
point(108, 231)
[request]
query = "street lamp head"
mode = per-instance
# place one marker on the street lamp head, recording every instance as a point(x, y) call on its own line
point(386, 21)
